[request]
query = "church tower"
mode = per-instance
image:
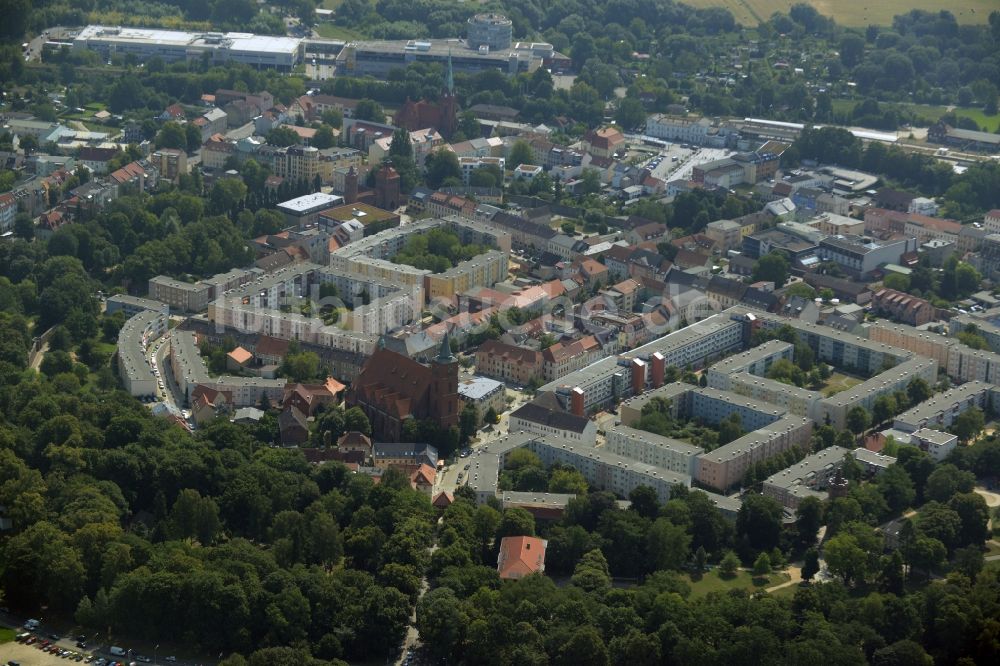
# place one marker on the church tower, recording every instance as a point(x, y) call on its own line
point(351, 186)
point(444, 386)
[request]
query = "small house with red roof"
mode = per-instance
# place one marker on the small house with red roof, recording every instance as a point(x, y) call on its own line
point(521, 556)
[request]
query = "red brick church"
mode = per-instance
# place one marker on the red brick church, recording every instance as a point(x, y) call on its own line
point(441, 115)
point(392, 388)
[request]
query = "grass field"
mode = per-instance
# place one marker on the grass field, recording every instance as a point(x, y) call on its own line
point(6, 635)
point(932, 113)
point(711, 582)
point(839, 382)
point(855, 13)
point(331, 31)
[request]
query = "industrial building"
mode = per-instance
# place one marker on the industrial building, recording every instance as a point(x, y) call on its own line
point(262, 51)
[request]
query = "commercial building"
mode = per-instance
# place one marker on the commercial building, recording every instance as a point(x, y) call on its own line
point(378, 58)
point(727, 234)
point(652, 449)
point(698, 131)
point(493, 31)
point(134, 369)
point(859, 256)
point(303, 211)
point(171, 45)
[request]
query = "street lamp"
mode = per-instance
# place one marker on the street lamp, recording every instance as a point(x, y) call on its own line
point(155, 649)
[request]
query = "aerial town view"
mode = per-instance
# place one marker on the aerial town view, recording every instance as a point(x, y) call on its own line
point(499, 332)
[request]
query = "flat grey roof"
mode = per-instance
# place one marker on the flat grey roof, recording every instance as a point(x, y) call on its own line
point(936, 404)
point(476, 387)
point(137, 301)
point(872, 458)
point(310, 202)
point(788, 389)
point(636, 435)
point(902, 372)
point(757, 438)
point(167, 281)
point(807, 468)
point(130, 349)
point(935, 436)
point(738, 362)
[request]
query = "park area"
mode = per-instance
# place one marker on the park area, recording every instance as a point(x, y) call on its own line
point(742, 580)
point(852, 13)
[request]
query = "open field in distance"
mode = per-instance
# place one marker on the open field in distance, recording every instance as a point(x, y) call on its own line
point(855, 13)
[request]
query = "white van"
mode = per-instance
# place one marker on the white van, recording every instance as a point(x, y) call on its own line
point(31, 625)
point(116, 651)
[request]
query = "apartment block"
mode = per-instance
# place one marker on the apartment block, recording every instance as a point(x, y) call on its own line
point(608, 471)
point(725, 467)
point(189, 372)
point(133, 305)
point(797, 400)
point(806, 478)
point(134, 369)
point(940, 411)
point(508, 362)
point(646, 447)
point(755, 361)
point(484, 270)
point(180, 296)
point(835, 408)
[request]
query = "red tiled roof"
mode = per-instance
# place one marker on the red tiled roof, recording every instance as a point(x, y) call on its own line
point(521, 556)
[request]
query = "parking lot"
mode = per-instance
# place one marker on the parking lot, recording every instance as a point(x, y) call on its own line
point(43, 646)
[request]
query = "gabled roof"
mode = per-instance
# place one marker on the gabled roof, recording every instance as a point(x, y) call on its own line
point(537, 413)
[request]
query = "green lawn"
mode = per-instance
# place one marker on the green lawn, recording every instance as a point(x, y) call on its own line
point(7, 635)
point(711, 582)
point(839, 382)
point(931, 113)
point(331, 31)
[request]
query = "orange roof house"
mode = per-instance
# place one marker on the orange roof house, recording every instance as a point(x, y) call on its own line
point(423, 478)
point(442, 500)
point(239, 357)
point(521, 556)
